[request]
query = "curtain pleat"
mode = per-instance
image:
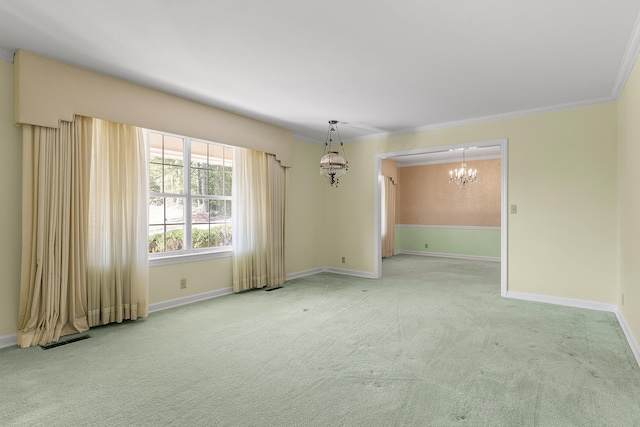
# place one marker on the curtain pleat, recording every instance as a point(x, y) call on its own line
point(59, 244)
point(259, 186)
point(389, 217)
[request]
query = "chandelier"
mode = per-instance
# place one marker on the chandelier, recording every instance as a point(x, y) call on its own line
point(463, 176)
point(332, 164)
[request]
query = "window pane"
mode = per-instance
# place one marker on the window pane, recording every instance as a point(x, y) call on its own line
point(156, 210)
point(199, 154)
point(199, 178)
point(218, 235)
point(155, 177)
point(173, 150)
point(173, 179)
point(156, 239)
point(174, 210)
point(155, 147)
point(216, 211)
point(227, 184)
point(215, 182)
point(216, 155)
point(174, 238)
point(200, 211)
point(200, 236)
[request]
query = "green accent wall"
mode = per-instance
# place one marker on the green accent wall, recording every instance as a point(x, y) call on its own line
point(454, 241)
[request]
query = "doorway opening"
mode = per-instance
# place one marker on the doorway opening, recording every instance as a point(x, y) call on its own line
point(442, 152)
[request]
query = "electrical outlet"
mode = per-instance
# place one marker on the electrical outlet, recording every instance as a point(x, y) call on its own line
point(343, 260)
point(514, 209)
point(183, 283)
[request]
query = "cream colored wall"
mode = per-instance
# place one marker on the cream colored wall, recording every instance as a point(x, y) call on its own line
point(348, 213)
point(10, 207)
point(201, 276)
point(629, 201)
point(561, 174)
point(304, 222)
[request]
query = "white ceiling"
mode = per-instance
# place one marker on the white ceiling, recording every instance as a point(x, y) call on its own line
point(380, 67)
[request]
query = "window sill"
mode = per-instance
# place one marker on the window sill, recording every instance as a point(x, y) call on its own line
point(189, 257)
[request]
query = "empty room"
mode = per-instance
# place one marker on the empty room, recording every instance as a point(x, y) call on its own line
point(320, 213)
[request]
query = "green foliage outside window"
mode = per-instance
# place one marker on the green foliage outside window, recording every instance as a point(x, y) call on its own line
point(220, 236)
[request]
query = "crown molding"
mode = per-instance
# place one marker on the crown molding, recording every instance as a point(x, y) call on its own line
point(477, 120)
point(628, 60)
point(6, 55)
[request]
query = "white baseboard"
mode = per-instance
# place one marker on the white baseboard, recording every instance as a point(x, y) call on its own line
point(8, 340)
point(189, 299)
point(443, 255)
point(343, 271)
point(346, 272)
point(304, 273)
point(591, 305)
point(568, 302)
point(635, 348)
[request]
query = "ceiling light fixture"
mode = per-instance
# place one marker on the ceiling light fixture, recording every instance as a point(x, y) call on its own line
point(463, 176)
point(332, 164)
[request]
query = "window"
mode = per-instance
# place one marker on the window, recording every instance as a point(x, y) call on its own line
point(189, 195)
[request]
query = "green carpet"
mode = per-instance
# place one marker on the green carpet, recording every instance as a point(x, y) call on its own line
point(430, 344)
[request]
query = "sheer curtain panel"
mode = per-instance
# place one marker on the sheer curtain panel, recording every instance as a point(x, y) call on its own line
point(117, 285)
point(260, 188)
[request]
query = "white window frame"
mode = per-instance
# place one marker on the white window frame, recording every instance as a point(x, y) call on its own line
point(187, 254)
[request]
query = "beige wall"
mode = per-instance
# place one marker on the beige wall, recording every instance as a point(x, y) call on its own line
point(629, 202)
point(10, 207)
point(561, 174)
point(426, 197)
point(201, 276)
point(305, 231)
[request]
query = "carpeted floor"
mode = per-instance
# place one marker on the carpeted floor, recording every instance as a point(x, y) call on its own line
point(430, 344)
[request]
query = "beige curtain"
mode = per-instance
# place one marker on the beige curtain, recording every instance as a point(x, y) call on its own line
point(118, 270)
point(57, 251)
point(388, 217)
point(275, 232)
point(55, 199)
point(260, 188)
